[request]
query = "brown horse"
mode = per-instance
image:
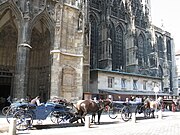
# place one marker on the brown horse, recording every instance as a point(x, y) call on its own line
point(85, 107)
point(153, 105)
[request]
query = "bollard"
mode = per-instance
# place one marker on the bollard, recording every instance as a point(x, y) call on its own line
point(160, 114)
point(87, 121)
point(12, 127)
point(133, 117)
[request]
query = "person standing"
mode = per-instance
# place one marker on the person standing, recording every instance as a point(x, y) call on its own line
point(36, 101)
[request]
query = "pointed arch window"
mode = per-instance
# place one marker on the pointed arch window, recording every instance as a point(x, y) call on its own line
point(94, 43)
point(169, 50)
point(141, 51)
point(117, 52)
point(160, 47)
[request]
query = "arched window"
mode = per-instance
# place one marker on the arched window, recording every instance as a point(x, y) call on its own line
point(94, 43)
point(140, 50)
point(117, 50)
point(160, 47)
point(168, 43)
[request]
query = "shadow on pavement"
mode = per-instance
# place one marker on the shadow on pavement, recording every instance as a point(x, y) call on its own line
point(64, 125)
point(142, 118)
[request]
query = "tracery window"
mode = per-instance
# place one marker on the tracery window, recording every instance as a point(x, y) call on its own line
point(160, 47)
point(94, 43)
point(117, 52)
point(168, 50)
point(140, 50)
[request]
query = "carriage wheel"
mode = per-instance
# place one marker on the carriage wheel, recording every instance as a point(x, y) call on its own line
point(126, 113)
point(113, 112)
point(58, 117)
point(24, 120)
point(5, 110)
point(9, 114)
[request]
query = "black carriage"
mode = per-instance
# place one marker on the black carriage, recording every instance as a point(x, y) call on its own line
point(125, 110)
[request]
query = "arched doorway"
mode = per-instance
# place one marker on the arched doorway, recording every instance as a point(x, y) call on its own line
point(40, 64)
point(8, 49)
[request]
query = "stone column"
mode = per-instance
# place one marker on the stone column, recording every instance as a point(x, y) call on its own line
point(22, 62)
point(55, 53)
point(55, 74)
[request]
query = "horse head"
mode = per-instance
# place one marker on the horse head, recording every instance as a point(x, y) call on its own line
point(104, 103)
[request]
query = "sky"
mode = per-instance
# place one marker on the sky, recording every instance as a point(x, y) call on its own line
point(167, 12)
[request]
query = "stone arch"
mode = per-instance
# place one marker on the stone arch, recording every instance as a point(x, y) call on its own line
point(121, 25)
point(40, 59)
point(48, 22)
point(8, 49)
point(12, 6)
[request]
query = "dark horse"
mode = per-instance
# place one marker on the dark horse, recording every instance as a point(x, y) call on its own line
point(85, 107)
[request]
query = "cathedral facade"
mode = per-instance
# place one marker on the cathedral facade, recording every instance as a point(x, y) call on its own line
point(129, 55)
point(41, 48)
point(66, 48)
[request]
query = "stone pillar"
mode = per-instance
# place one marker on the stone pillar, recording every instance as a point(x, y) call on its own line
point(55, 74)
point(131, 49)
point(55, 53)
point(22, 62)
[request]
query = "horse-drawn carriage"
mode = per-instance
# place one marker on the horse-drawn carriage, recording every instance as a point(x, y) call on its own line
point(25, 113)
point(125, 109)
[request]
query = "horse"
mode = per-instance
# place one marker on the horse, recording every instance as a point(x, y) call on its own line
point(85, 107)
point(152, 105)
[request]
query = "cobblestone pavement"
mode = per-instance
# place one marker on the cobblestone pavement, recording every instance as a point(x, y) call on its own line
point(168, 125)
